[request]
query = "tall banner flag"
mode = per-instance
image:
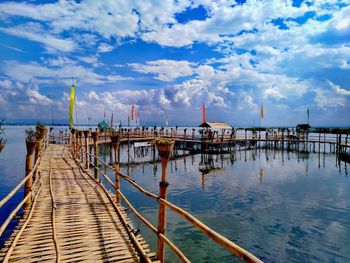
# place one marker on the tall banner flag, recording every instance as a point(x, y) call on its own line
point(104, 114)
point(308, 116)
point(204, 117)
point(132, 111)
point(112, 120)
point(262, 111)
point(71, 105)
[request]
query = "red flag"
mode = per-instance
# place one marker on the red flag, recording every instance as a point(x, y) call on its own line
point(112, 120)
point(132, 111)
point(204, 117)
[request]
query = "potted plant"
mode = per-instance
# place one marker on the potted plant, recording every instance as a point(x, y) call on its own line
point(31, 137)
point(165, 146)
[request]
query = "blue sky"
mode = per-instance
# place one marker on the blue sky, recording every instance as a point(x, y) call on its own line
point(168, 57)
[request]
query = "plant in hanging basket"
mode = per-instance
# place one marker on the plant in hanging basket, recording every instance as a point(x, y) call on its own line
point(165, 146)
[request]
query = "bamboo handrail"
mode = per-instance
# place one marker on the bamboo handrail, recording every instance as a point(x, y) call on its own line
point(144, 220)
point(229, 245)
point(9, 195)
point(18, 235)
point(176, 250)
point(16, 209)
point(221, 240)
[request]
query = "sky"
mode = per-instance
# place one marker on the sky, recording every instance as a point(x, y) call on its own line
point(169, 57)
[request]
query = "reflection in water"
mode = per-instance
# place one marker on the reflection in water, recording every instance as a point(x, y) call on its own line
point(261, 174)
point(285, 217)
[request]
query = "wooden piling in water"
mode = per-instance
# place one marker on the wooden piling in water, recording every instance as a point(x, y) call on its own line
point(164, 150)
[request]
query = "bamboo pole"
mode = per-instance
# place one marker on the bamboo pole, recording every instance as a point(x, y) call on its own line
point(95, 135)
point(31, 148)
point(87, 157)
point(164, 150)
point(80, 147)
point(115, 143)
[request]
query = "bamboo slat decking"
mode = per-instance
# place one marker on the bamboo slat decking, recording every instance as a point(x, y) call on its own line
point(72, 219)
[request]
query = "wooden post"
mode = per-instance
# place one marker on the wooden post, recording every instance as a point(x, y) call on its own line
point(73, 142)
point(80, 147)
point(87, 157)
point(31, 147)
point(115, 138)
point(164, 150)
point(95, 135)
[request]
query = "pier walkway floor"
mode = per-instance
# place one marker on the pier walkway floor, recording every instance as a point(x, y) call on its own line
point(71, 219)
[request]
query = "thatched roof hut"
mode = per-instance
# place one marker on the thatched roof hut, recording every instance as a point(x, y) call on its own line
point(215, 125)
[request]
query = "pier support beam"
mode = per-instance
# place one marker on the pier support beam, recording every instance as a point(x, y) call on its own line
point(164, 150)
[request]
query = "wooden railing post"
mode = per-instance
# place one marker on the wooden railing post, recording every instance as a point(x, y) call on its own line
point(31, 147)
point(164, 150)
point(115, 138)
point(80, 146)
point(87, 157)
point(73, 141)
point(95, 135)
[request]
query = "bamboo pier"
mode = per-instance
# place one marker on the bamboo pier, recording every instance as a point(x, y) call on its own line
point(72, 219)
point(69, 215)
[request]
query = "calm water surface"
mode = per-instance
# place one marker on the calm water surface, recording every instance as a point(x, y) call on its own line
point(281, 206)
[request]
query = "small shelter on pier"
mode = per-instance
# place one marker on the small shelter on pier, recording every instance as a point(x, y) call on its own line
point(215, 125)
point(103, 126)
point(207, 132)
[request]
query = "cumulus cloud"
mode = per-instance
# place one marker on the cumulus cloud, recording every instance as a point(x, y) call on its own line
point(56, 69)
point(339, 90)
point(165, 70)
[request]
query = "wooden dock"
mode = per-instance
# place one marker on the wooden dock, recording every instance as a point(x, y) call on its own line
point(71, 219)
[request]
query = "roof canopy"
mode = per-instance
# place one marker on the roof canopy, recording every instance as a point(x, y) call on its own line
point(215, 125)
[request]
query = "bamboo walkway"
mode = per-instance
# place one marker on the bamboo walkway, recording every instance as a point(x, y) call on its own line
point(71, 219)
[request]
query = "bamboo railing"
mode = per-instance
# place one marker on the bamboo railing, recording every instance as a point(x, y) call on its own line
point(30, 194)
point(82, 156)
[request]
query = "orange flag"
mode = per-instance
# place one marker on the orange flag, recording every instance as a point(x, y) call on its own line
point(132, 111)
point(262, 111)
point(204, 117)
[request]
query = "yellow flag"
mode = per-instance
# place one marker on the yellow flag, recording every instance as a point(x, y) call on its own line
point(262, 111)
point(71, 105)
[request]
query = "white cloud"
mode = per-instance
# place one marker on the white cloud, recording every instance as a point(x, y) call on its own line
point(35, 32)
point(165, 70)
point(339, 90)
point(273, 93)
point(103, 47)
point(24, 72)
